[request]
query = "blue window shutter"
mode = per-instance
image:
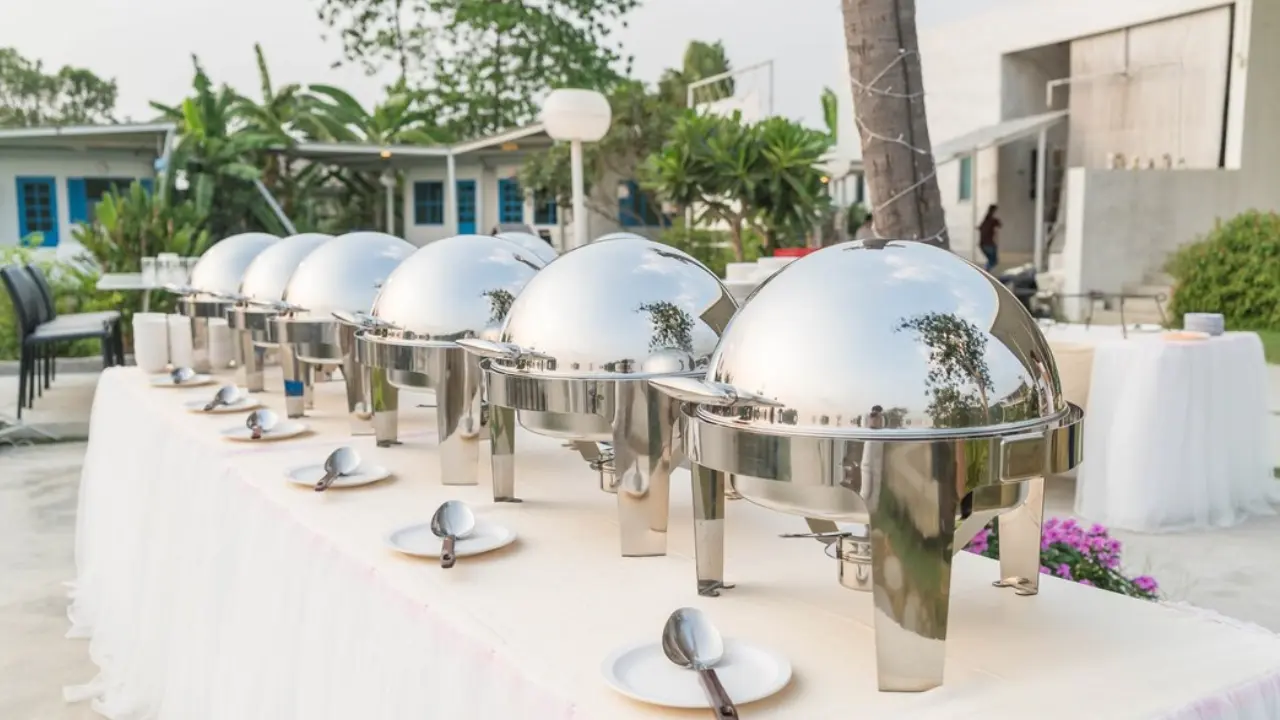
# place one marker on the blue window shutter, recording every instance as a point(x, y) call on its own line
point(147, 184)
point(77, 202)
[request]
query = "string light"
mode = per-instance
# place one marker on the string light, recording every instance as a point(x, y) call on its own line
point(870, 88)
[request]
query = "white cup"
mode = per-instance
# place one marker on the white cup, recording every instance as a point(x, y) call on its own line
point(151, 341)
point(181, 352)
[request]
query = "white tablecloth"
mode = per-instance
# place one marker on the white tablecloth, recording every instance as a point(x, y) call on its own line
point(1177, 434)
point(214, 590)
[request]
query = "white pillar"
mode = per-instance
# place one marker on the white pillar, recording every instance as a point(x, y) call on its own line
point(579, 194)
point(482, 189)
point(973, 208)
point(1042, 161)
point(451, 195)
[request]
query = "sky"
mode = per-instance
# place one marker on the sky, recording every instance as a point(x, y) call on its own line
point(146, 44)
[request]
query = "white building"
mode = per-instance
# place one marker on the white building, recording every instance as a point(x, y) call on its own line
point(51, 177)
point(1159, 117)
point(473, 187)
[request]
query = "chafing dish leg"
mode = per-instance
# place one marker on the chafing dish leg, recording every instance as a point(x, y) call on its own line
point(358, 381)
point(1020, 531)
point(709, 494)
point(295, 403)
point(502, 444)
point(384, 399)
point(457, 419)
point(200, 345)
point(911, 589)
point(251, 359)
point(643, 504)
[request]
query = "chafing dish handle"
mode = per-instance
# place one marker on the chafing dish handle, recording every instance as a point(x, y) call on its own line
point(705, 392)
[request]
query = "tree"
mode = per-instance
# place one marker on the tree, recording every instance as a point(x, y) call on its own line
point(831, 113)
point(71, 96)
point(763, 176)
point(701, 61)
point(889, 109)
point(483, 63)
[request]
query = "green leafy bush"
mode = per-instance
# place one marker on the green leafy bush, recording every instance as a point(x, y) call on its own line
point(129, 226)
point(1234, 270)
point(712, 248)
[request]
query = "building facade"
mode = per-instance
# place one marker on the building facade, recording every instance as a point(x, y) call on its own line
point(50, 178)
point(1159, 117)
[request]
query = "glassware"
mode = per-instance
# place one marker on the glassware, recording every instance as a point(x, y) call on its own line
point(149, 271)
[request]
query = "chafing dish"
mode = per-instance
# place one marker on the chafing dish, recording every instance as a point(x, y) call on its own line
point(341, 276)
point(897, 387)
point(574, 358)
point(215, 282)
point(532, 243)
point(256, 303)
point(451, 289)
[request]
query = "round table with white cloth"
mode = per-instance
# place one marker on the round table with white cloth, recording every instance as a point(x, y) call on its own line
point(1176, 436)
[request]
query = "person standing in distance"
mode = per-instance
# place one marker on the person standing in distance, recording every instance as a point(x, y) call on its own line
point(987, 232)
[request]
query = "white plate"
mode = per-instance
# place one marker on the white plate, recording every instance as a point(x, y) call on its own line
point(166, 381)
point(419, 541)
point(747, 671)
point(309, 475)
point(285, 430)
point(246, 402)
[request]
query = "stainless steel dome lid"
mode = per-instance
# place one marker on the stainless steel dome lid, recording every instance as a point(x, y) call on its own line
point(219, 272)
point(533, 244)
point(268, 275)
point(624, 306)
point(459, 287)
point(344, 274)
point(883, 338)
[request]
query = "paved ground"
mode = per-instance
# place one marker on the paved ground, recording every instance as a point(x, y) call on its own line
point(1232, 572)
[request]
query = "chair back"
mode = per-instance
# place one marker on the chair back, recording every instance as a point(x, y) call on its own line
point(49, 311)
point(25, 297)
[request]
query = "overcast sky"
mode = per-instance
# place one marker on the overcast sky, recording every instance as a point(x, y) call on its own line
point(146, 44)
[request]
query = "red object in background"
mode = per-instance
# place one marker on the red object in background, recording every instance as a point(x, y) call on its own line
point(793, 252)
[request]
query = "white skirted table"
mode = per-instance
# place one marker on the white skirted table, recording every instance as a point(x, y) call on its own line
point(212, 589)
point(1177, 434)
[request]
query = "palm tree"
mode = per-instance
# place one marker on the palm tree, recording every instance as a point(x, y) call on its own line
point(701, 61)
point(888, 103)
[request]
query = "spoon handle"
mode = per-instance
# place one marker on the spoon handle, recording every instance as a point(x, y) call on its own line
point(447, 557)
point(720, 702)
point(326, 481)
point(256, 432)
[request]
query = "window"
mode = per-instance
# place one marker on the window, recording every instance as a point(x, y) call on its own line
point(966, 178)
point(38, 210)
point(510, 201)
point(84, 194)
point(638, 208)
point(428, 203)
point(544, 210)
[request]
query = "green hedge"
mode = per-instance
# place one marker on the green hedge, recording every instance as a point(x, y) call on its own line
point(1234, 270)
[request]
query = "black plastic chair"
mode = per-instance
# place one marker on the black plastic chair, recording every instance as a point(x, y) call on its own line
point(49, 313)
point(36, 337)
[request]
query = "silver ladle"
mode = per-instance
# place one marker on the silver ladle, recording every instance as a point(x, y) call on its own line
point(181, 375)
point(341, 462)
point(691, 641)
point(226, 395)
point(451, 521)
point(259, 422)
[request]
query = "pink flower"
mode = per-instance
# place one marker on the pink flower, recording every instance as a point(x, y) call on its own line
point(1146, 583)
point(1086, 581)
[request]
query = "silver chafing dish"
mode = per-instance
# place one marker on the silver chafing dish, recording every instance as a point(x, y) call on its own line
point(532, 243)
point(258, 300)
point(341, 276)
point(215, 282)
point(897, 387)
point(451, 289)
point(574, 358)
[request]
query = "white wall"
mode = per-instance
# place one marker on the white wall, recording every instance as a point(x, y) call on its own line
point(16, 163)
point(1124, 223)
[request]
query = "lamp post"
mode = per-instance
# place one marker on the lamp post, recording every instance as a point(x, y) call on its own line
point(577, 116)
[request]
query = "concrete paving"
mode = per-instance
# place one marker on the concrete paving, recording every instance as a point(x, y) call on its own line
point(1229, 571)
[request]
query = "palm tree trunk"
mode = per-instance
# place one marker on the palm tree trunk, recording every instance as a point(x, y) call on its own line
point(888, 98)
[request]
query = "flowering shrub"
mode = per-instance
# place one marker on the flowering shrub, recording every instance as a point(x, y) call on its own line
point(1069, 551)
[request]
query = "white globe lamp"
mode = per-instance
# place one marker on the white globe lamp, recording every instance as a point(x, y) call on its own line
point(577, 116)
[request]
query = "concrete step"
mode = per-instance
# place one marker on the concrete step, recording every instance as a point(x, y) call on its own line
point(1145, 289)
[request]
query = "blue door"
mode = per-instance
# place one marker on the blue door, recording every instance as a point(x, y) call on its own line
point(466, 207)
point(38, 209)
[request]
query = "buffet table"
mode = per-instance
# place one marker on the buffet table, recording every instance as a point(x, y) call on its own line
point(1177, 435)
point(212, 588)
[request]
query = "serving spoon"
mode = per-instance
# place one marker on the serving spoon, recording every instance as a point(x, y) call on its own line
point(451, 521)
point(692, 642)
